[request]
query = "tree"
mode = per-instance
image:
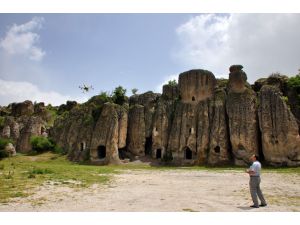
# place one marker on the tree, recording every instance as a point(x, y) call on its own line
point(119, 96)
point(134, 91)
point(172, 83)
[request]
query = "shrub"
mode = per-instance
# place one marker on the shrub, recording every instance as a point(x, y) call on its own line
point(172, 83)
point(134, 91)
point(294, 82)
point(40, 144)
point(119, 96)
point(3, 143)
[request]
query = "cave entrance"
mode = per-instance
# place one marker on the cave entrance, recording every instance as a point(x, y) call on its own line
point(122, 153)
point(101, 152)
point(158, 153)
point(82, 146)
point(193, 98)
point(148, 145)
point(217, 149)
point(188, 154)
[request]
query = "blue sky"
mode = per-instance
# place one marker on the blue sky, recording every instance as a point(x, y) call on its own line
point(45, 57)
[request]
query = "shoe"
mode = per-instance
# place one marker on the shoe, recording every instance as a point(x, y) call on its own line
point(263, 205)
point(254, 206)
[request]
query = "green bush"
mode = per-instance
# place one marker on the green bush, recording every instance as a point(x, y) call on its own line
point(172, 83)
point(4, 142)
point(40, 144)
point(294, 82)
point(119, 96)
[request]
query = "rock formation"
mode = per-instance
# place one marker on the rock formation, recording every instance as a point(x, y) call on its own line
point(200, 121)
point(280, 136)
point(242, 116)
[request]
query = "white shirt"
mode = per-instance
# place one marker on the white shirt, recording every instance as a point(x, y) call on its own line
point(256, 166)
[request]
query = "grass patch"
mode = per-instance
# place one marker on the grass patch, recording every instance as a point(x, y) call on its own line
point(21, 174)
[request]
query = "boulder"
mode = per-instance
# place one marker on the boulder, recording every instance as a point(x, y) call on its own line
point(10, 149)
point(279, 129)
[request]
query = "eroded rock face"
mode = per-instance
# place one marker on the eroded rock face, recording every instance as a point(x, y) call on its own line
point(23, 108)
point(170, 92)
point(196, 85)
point(237, 79)
point(136, 130)
point(219, 137)
point(104, 143)
point(241, 109)
point(280, 136)
point(32, 126)
point(161, 129)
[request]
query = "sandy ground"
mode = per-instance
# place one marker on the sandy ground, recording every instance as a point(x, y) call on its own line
point(166, 191)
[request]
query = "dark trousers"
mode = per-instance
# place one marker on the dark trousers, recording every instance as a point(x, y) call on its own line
point(255, 191)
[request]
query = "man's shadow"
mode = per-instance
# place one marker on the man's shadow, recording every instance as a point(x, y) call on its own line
point(245, 207)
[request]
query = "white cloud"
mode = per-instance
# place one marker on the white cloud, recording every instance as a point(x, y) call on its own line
point(262, 43)
point(158, 88)
point(21, 40)
point(14, 91)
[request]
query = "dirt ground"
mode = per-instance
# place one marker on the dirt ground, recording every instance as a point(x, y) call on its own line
point(166, 191)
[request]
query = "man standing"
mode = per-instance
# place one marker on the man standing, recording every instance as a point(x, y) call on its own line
point(254, 173)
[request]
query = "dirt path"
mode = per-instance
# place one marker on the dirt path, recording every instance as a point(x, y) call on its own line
point(166, 190)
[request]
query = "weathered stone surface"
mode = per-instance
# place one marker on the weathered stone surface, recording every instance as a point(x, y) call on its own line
point(136, 130)
point(183, 134)
point(148, 100)
point(32, 127)
point(280, 136)
point(170, 92)
point(219, 138)
point(10, 149)
point(11, 128)
point(104, 143)
point(196, 85)
point(23, 108)
point(241, 107)
point(123, 125)
point(237, 79)
point(161, 129)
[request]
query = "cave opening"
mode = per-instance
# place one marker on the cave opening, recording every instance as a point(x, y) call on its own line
point(217, 149)
point(101, 152)
point(82, 146)
point(193, 98)
point(122, 153)
point(148, 145)
point(188, 154)
point(158, 153)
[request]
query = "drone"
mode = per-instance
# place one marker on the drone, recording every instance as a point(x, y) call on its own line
point(85, 88)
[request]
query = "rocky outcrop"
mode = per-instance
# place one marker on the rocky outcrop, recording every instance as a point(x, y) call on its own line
point(200, 121)
point(196, 85)
point(22, 109)
point(170, 92)
point(32, 126)
point(280, 136)
point(105, 139)
point(241, 107)
point(219, 149)
point(136, 130)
